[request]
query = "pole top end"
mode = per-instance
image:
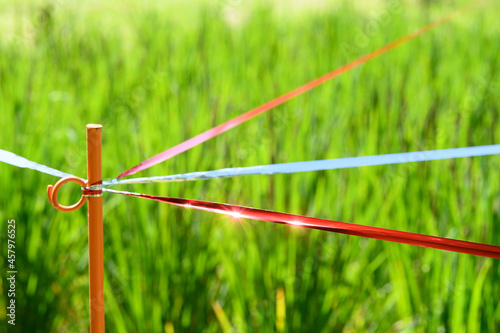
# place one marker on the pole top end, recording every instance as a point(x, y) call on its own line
point(94, 126)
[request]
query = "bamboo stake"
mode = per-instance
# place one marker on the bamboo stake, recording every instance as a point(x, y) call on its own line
point(96, 256)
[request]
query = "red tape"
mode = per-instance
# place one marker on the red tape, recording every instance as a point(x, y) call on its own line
point(207, 135)
point(237, 212)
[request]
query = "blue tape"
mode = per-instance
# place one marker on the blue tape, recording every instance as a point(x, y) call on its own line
point(339, 163)
point(13, 159)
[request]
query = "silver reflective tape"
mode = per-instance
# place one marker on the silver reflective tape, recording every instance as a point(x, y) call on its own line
point(120, 192)
point(339, 163)
point(13, 159)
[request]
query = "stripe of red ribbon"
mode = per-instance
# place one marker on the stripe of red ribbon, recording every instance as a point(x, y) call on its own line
point(390, 235)
point(207, 135)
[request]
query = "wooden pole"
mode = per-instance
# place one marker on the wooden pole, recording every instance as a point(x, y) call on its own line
point(96, 256)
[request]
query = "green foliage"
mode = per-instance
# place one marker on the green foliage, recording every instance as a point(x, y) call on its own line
point(155, 75)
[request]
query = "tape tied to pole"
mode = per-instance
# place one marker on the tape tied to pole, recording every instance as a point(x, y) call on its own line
point(90, 192)
point(87, 191)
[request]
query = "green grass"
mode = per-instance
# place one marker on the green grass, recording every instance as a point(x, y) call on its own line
point(155, 75)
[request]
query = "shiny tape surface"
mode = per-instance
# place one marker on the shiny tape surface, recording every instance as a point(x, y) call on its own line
point(239, 212)
point(19, 161)
point(339, 163)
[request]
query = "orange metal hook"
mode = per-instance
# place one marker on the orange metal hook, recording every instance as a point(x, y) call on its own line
point(52, 192)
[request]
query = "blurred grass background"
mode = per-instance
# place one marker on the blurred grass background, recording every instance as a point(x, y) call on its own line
point(155, 74)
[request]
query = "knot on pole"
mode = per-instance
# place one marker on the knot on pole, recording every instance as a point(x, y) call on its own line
point(94, 190)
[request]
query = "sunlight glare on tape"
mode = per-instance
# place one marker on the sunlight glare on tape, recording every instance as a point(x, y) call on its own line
point(240, 212)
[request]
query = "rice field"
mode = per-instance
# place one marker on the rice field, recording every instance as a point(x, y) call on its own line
point(156, 74)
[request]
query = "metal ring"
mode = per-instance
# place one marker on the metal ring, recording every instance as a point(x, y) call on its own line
point(52, 192)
